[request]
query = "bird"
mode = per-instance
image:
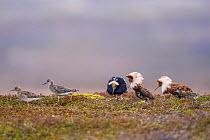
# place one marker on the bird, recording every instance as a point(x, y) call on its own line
point(60, 91)
point(135, 80)
point(177, 90)
point(26, 95)
point(117, 86)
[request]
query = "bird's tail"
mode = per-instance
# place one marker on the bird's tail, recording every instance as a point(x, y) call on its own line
point(193, 96)
point(74, 90)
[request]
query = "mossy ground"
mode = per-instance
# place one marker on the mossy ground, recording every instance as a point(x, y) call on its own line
point(104, 118)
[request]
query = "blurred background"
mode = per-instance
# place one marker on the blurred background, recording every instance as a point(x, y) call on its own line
point(83, 43)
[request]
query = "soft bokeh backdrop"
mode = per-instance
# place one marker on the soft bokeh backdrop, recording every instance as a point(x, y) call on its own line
point(82, 43)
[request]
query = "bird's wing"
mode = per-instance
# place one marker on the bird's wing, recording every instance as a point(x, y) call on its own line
point(183, 91)
point(191, 96)
point(147, 93)
point(180, 87)
point(142, 92)
point(122, 85)
point(60, 89)
point(28, 94)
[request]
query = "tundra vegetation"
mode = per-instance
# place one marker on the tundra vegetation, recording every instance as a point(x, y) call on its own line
point(100, 116)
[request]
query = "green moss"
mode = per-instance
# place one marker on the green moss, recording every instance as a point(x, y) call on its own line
point(88, 95)
point(203, 98)
point(93, 118)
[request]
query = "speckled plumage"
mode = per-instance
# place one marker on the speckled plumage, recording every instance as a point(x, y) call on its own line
point(143, 93)
point(181, 91)
point(26, 95)
point(60, 91)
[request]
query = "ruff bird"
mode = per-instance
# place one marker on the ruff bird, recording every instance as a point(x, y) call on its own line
point(27, 96)
point(177, 90)
point(60, 91)
point(135, 80)
point(116, 86)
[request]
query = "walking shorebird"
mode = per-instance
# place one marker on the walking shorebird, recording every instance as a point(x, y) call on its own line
point(60, 91)
point(26, 95)
point(116, 86)
point(135, 80)
point(177, 90)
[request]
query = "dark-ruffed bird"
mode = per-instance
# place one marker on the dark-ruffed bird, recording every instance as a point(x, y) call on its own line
point(116, 86)
point(177, 90)
point(135, 80)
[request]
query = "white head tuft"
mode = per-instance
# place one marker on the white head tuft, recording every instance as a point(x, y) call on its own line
point(113, 82)
point(135, 78)
point(165, 79)
point(165, 82)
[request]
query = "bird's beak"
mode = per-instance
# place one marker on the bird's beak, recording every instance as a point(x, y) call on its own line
point(74, 90)
point(156, 88)
point(12, 90)
point(159, 84)
point(44, 83)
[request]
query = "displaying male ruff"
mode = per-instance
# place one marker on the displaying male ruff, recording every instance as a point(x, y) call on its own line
point(116, 86)
point(177, 90)
point(27, 96)
point(60, 91)
point(135, 80)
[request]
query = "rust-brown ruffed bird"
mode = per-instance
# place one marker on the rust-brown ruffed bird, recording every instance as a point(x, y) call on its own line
point(135, 80)
point(177, 90)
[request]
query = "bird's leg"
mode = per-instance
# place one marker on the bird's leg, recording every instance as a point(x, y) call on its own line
point(152, 102)
point(175, 104)
point(186, 102)
point(164, 97)
point(148, 100)
point(71, 96)
point(115, 95)
point(28, 105)
point(58, 100)
point(145, 104)
point(121, 98)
